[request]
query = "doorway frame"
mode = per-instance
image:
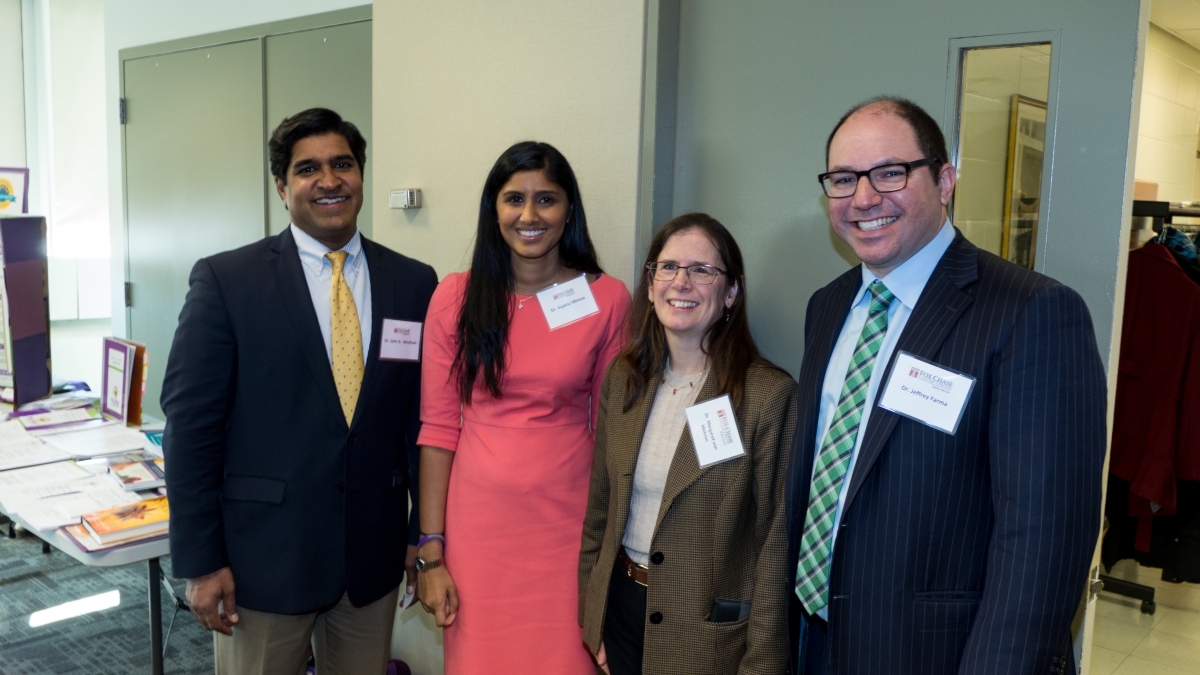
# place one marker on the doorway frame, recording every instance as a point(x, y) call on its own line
point(952, 113)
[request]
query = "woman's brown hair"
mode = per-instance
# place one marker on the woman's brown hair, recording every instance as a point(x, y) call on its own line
point(728, 344)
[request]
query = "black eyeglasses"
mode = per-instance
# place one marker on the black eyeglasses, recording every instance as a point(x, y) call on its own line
point(697, 274)
point(884, 178)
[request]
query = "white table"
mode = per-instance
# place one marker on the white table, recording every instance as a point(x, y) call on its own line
point(148, 551)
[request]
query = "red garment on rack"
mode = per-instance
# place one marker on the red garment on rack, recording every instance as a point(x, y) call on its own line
point(1156, 425)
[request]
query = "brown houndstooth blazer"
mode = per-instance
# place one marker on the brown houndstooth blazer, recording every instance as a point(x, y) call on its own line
point(721, 531)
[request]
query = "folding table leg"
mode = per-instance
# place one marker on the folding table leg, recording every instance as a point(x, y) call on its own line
point(156, 638)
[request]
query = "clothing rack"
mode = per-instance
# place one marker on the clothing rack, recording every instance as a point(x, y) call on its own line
point(1163, 213)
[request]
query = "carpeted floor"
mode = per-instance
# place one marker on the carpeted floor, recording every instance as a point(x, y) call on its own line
point(114, 641)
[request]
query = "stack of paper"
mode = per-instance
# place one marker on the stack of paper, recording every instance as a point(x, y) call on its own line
point(45, 474)
point(19, 449)
point(54, 421)
point(107, 440)
point(52, 506)
point(52, 495)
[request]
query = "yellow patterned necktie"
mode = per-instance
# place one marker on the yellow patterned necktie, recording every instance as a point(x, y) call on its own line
point(346, 337)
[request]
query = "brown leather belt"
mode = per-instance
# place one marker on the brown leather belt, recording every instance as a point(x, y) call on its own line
point(639, 573)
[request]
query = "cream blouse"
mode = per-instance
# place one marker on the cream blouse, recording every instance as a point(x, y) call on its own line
point(663, 430)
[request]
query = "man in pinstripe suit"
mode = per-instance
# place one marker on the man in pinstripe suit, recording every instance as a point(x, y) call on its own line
point(914, 549)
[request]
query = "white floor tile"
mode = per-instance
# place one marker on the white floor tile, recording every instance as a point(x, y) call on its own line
point(1177, 596)
point(1117, 635)
point(1105, 661)
point(1135, 666)
point(1171, 650)
point(1125, 610)
point(1180, 623)
point(1126, 569)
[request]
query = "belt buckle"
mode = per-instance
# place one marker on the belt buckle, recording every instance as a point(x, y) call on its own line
point(629, 571)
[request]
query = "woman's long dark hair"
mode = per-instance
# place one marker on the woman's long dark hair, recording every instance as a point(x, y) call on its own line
point(728, 343)
point(487, 304)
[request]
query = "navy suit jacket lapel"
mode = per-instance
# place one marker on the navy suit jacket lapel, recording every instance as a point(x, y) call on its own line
point(293, 288)
point(942, 303)
point(382, 301)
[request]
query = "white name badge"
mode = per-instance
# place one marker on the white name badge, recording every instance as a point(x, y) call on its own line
point(568, 302)
point(714, 431)
point(401, 341)
point(927, 393)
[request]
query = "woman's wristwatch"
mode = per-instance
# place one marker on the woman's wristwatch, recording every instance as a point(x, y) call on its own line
point(424, 565)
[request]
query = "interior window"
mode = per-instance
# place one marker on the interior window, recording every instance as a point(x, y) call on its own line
point(1001, 147)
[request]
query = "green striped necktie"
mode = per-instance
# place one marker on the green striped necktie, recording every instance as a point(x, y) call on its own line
point(812, 573)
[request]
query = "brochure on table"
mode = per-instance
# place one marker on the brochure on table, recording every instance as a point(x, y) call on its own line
point(123, 382)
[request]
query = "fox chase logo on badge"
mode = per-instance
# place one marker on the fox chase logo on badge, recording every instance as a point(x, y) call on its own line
point(402, 331)
point(565, 294)
point(941, 384)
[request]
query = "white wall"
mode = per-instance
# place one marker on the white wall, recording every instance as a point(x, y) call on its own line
point(79, 195)
point(473, 79)
point(12, 103)
point(1167, 134)
point(135, 23)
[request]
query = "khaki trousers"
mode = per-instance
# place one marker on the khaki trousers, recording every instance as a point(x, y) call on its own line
point(346, 640)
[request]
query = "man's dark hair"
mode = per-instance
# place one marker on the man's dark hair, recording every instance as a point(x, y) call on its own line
point(312, 122)
point(929, 136)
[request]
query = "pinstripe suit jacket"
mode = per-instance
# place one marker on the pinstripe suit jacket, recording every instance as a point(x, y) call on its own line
point(720, 531)
point(964, 553)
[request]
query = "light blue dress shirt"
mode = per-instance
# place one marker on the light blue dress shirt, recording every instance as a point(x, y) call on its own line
point(906, 283)
point(318, 271)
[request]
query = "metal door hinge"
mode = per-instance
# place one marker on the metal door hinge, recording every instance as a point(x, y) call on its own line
point(1095, 585)
point(124, 114)
point(128, 294)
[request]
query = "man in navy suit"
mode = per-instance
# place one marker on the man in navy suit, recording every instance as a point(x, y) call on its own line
point(292, 416)
point(942, 513)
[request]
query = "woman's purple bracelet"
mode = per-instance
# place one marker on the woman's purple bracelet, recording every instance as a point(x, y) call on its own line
point(425, 539)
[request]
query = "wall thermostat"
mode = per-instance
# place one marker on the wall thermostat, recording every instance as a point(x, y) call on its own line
point(406, 199)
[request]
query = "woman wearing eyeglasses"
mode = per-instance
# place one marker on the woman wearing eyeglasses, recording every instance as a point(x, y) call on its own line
point(682, 564)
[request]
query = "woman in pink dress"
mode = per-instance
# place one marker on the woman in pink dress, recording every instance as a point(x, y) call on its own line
point(508, 409)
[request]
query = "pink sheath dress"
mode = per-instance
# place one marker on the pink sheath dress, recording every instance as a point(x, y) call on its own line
point(519, 485)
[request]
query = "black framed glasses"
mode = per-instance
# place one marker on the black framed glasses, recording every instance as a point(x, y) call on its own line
point(884, 178)
point(697, 274)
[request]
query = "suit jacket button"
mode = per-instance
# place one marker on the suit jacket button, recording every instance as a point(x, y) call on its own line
point(657, 558)
point(656, 618)
point(342, 487)
point(351, 438)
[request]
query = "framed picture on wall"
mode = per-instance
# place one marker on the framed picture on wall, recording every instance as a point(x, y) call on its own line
point(1023, 184)
point(14, 191)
